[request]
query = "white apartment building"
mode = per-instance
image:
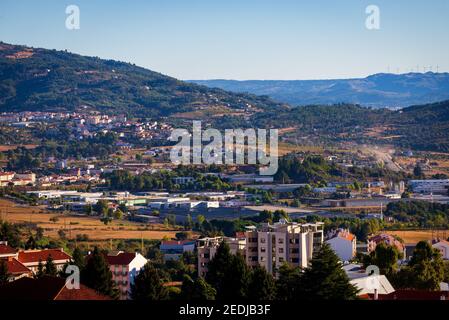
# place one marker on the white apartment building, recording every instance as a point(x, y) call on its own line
point(438, 186)
point(284, 242)
point(125, 267)
point(343, 243)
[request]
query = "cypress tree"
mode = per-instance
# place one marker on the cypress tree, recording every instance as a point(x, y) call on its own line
point(50, 268)
point(40, 270)
point(4, 274)
point(97, 275)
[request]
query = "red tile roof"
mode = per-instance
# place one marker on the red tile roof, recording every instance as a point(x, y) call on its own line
point(15, 267)
point(413, 295)
point(46, 288)
point(123, 258)
point(5, 249)
point(42, 255)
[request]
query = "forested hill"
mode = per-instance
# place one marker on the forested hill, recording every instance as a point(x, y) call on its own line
point(50, 80)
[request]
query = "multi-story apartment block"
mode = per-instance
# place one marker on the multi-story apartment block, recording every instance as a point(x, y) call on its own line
point(269, 246)
point(125, 267)
point(284, 242)
point(207, 248)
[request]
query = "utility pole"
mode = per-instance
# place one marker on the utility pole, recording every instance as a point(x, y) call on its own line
point(141, 242)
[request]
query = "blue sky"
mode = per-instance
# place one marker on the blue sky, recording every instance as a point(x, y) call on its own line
point(241, 39)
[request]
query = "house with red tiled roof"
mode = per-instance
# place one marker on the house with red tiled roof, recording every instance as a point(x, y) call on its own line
point(6, 251)
point(343, 243)
point(46, 288)
point(125, 267)
point(16, 269)
point(420, 295)
point(388, 240)
point(31, 258)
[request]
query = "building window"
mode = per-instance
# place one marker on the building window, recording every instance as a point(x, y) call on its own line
point(262, 259)
point(281, 250)
point(263, 249)
point(262, 240)
point(281, 259)
point(281, 241)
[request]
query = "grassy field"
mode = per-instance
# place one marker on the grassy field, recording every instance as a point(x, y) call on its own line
point(414, 236)
point(74, 225)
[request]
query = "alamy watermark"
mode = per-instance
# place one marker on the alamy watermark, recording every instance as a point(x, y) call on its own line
point(372, 22)
point(72, 21)
point(239, 146)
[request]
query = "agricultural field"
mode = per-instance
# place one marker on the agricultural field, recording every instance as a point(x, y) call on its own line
point(414, 236)
point(81, 225)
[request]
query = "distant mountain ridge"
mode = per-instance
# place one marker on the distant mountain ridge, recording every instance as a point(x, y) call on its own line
point(382, 90)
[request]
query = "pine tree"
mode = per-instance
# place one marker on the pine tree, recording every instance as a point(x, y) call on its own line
point(78, 258)
point(31, 243)
point(198, 290)
point(261, 285)
point(96, 275)
point(4, 274)
point(288, 282)
point(50, 268)
point(324, 279)
point(218, 266)
point(40, 270)
point(148, 285)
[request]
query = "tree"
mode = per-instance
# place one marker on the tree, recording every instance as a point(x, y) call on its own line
point(288, 282)
point(96, 274)
point(417, 171)
point(50, 268)
point(4, 274)
point(324, 279)
point(31, 243)
point(228, 274)
point(200, 219)
point(40, 270)
point(101, 207)
point(261, 285)
point(198, 290)
point(118, 214)
point(424, 271)
point(148, 285)
point(385, 257)
point(218, 266)
point(78, 258)
point(183, 235)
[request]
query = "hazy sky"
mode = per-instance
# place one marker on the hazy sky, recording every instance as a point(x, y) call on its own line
point(241, 39)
